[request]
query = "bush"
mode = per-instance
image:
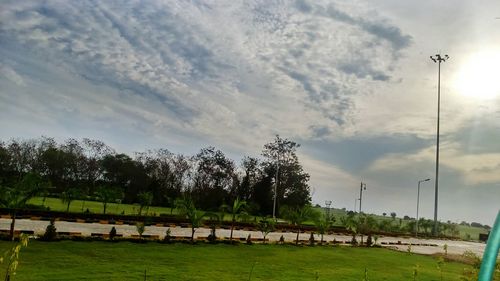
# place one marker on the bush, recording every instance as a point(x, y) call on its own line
point(50, 232)
point(168, 236)
point(112, 233)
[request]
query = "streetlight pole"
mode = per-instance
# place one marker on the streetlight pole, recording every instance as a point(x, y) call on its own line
point(418, 200)
point(362, 186)
point(437, 59)
point(276, 185)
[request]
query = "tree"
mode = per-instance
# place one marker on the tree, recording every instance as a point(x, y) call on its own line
point(94, 152)
point(236, 209)
point(122, 171)
point(213, 179)
point(108, 194)
point(16, 197)
point(145, 200)
point(393, 215)
point(365, 225)
point(350, 223)
point(266, 226)
point(291, 181)
point(69, 196)
point(187, 208)
point(323, 224)
point(298, 215)
point(250, 178)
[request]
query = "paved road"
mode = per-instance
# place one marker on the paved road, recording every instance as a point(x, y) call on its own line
point(454, 247)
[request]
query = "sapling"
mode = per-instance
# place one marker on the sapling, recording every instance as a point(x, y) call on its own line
point(140, 229)
point(168, 235)
point(12, 256)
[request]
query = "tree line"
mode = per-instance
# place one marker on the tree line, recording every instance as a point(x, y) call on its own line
point(90, 169)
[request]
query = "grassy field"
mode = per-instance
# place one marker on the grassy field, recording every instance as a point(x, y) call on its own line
point(69, 260)
point(79, 206)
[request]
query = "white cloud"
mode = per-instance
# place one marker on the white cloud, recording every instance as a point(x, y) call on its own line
point(11, 75)
point(184, 74)
point(483, 168)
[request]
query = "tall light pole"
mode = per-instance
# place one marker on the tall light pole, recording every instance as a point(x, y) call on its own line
point(362, 186)
point(418, 200)
point(328, 203)
point(439, 59)
point(276, 184)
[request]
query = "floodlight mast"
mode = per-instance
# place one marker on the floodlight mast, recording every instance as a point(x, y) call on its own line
point(362, 186)
point(437, 59)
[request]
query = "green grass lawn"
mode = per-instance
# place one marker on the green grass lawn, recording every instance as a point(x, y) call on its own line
point(79, 206)
point(69, 260)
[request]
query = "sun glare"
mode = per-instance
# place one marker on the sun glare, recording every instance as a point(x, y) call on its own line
point(479, 76)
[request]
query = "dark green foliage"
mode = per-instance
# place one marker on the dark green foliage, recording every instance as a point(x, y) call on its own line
point(89, 169)
point(297, 216)
point(266, 226)
point(50, 232)
point(369, 241)
point(292, 182)
point(112, 233)
point(282, 240)
point(16, 196)
point(188, 209)
point(168, 236)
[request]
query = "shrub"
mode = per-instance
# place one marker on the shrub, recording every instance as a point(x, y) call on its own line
point(50, 232)
point(282, 240)
point(112, 233)
point(168, 236)
point(140, 227)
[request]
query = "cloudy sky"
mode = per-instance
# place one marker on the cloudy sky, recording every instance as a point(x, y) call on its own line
point(351, 81)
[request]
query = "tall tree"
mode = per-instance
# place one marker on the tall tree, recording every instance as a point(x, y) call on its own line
point(213, 179)
point(291, 181)
point(122, 171)
point(251, 171)
point(94, 151)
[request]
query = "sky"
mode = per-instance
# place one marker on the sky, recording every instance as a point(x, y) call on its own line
point(351, 81)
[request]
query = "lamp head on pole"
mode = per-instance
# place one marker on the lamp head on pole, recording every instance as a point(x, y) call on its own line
point(439, 58)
